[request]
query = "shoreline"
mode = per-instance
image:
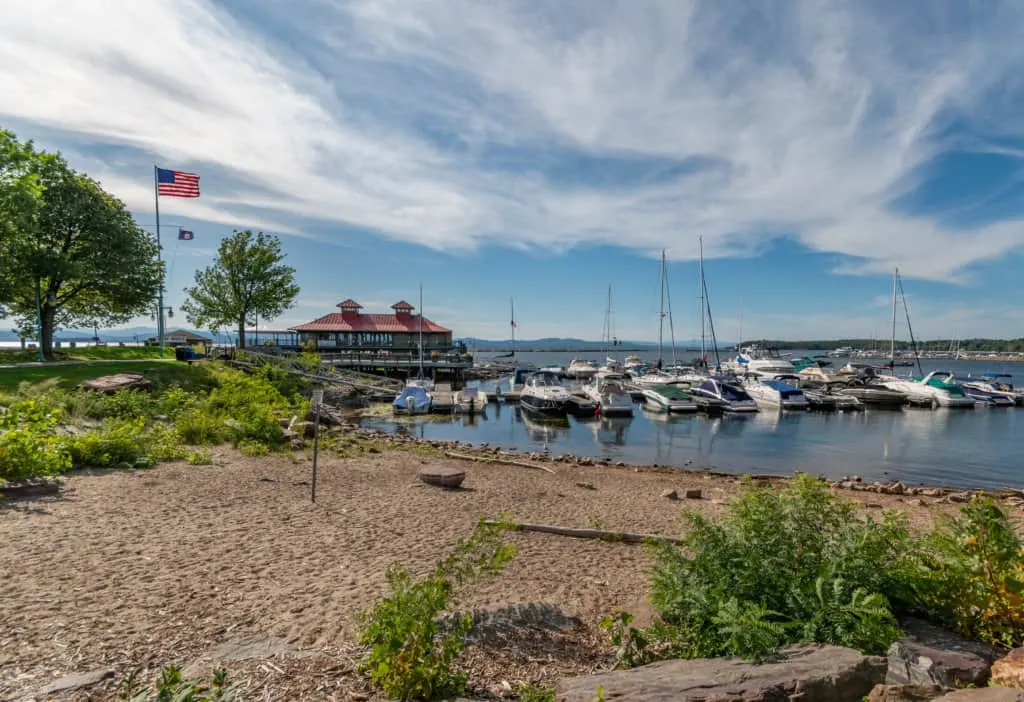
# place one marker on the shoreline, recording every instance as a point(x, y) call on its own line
point(189, 563)
point(850, 483)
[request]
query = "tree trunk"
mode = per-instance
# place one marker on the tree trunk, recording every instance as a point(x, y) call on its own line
point(241, 333)
point(48, 315)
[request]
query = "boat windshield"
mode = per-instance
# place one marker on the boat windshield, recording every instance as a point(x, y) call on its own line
point(544, 380)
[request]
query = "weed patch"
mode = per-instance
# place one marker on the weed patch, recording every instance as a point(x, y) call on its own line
point(410, 656)
point(170, 686)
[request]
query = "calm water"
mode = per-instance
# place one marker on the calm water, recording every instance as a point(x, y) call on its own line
point(971, 448)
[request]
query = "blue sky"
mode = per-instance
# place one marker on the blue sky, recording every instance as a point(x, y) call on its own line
point(543, 151)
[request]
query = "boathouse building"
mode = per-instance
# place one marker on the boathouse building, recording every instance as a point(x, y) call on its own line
point(351, 330)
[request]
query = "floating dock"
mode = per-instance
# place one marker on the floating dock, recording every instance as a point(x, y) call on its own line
point(442, 398)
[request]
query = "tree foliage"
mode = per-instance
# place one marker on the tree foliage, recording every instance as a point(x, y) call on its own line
point(72, 246)
point(247, 279)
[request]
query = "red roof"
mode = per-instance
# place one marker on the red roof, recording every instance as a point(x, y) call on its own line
point(403, 306)
point(336, 322)
point(349, 304)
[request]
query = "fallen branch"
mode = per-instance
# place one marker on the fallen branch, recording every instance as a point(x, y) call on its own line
point(602, 534)
point(491, 459)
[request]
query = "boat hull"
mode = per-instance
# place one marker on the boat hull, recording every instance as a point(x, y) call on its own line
point(543, 406)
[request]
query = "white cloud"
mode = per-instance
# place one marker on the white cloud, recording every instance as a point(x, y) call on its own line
point(388, 115)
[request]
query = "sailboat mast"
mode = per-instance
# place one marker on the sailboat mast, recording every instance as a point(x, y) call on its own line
point(739, 342)
point(661, 314)
point(421, 330)
point(703, 349)
point(671, 324)
point(892, 340)
point(512, 305)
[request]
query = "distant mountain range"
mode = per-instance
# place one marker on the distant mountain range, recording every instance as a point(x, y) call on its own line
point(127, 334)
point(550, 343)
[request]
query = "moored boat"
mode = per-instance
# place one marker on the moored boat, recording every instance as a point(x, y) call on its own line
point(732, 395)
point(612, 397)
point(544, 394)
point(671, 397)
point(581, 369)
point(413, 399)
point(781, 391)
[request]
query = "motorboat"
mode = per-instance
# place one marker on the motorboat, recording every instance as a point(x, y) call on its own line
point(557, 370)
point(421, 382)
point(821, 374)
point(413, 399)
point(611, 369)
point(823, 397)
point(611, 395)
point(580, 369)
point(992, 398)
point(634, 366)
point(721, 389)
point(995, 383)
point(543, 393)
point(516, 383)
point(781, 391)
point(933, 388)
point(868, 390)
point(768, 368)
point(654, 377)
point(470, 401)
point(671, 397)
point(582, 406)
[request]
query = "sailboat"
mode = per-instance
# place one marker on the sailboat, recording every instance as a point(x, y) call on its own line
point(611, 367)
point(415, 397)
point(664, 391)
point(936, 388)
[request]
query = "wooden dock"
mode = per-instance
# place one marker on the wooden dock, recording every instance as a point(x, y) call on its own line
point(442, 398)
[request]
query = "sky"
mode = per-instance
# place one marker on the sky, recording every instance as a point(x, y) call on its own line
point(543, 152)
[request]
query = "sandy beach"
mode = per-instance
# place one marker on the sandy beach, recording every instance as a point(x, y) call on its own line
point(145, 568)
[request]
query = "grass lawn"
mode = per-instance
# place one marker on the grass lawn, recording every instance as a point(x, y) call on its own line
point(162, 373)
point(87, 353)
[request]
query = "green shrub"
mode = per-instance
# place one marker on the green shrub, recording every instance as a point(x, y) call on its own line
point(119, 443)
point(171, 687)
point(197, 426)
point(249, 447)
point(787, 566)
point(968, 575)
point(29, 447)
point(200, 457)
point(410, 656)
point(535, 693)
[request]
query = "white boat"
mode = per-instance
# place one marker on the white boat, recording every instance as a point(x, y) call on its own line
point(543, 393)
point(776, 392)
point(735, 398)
point(610, 394)
point(580, 369)
point(557, 370)
point(768, 368)
point(818, 374)
point(412, 399)
point(470, 401)
point(671, 397)
point(634, 366)
point(1001, 383)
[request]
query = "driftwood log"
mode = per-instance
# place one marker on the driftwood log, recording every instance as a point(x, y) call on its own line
point(492, 459)
point(602, 534)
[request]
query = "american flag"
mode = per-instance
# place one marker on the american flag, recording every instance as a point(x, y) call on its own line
point(176, 183)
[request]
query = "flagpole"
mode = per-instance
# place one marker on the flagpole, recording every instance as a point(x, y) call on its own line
point(160, 293)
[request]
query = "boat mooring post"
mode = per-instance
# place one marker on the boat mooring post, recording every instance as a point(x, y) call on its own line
point(318, 398)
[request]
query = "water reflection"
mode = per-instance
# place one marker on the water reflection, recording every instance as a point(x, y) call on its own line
point(968, 447)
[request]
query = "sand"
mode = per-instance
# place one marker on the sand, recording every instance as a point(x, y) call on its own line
point(144, 568)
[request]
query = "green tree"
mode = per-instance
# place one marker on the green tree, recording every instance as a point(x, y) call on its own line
point(77, 253)
point(20, 197)
point(246, 279)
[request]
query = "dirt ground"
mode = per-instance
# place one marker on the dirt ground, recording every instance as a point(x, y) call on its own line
point(145, 568)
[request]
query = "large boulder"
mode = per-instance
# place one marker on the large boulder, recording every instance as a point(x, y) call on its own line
point(815, 673)
point(928, 655)
point(109, 384)
point(1009, 670)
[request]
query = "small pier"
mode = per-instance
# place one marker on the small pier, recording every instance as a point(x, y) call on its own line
point(442, 398)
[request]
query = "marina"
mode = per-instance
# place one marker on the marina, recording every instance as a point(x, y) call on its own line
point(972, 447)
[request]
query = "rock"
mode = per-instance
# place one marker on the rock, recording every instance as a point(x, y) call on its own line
point(442, 476)
point(671, 494)
point(894, 489)
point(906, 693)
point(988, 694)
point(846, 485)
point(857, 478)
point(586, 486)
point(815, 673)
point(930, 655)
point(916, 502)
point(932, 492)
point(692, 493)
point(498, 625)
point(1009, 670)
point(243, 648)
point(109, 384)
point(958, 497)
point(76, 681)
point(304, 429)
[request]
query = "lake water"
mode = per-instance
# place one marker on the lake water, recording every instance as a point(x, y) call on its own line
point(971, 448)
